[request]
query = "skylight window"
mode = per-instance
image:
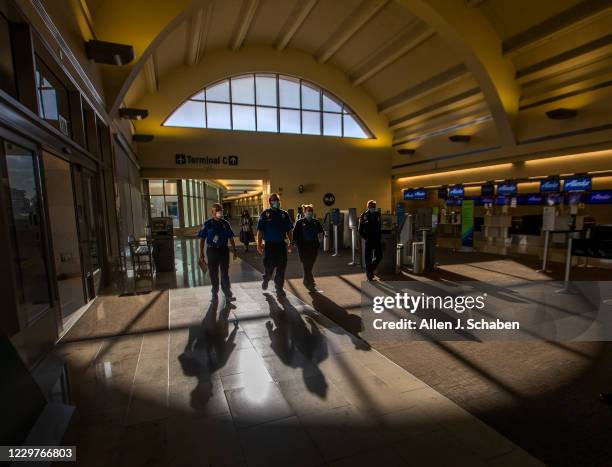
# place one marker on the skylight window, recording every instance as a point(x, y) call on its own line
point(268, 103)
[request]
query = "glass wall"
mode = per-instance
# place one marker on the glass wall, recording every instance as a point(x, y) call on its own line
point(163, 200)
point(193, 196)
point(26, 231)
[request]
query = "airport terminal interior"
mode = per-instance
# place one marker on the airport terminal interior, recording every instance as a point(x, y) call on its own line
point(482, 129)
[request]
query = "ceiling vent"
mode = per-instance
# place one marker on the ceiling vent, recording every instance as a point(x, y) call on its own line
point(561, 114)
point(109, 53)
point(140, 138)
point(460, 138)
point(406, 151)
point(133, 114)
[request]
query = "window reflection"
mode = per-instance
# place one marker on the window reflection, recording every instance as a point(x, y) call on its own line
point(25, 229)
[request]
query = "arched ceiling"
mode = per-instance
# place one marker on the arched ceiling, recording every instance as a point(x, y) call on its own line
point(430, 66)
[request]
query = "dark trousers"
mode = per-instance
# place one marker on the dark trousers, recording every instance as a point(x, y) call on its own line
point(308, 255)
point(218, 261)
point(275, 257)
point(372, 249)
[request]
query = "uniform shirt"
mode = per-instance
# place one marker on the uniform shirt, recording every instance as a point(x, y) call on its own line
point(307, 231)
point(217, 232)
point(370, 226)
point(274, 224)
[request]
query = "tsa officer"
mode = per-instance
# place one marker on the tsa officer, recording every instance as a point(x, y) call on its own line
point(370, 231)
point(273, 227)
point(306, 235)
point(216, 233)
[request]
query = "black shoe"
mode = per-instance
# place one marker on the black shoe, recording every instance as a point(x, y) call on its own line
point(606, 397)
point(281, 294)
point(264, 284)
point(311, 287)
point(229, 296)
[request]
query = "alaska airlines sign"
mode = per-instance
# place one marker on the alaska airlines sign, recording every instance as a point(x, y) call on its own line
point(186, 159)
point(577, 184)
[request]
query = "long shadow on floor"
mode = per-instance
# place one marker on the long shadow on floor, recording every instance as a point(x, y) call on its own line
point(208, 349)
point(298, 345)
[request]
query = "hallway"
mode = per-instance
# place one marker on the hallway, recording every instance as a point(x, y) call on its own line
point(258, 382)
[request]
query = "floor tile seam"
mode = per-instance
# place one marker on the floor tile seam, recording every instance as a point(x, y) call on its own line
point(129, 404)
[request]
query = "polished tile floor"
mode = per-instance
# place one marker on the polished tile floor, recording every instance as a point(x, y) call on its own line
point(262, 382)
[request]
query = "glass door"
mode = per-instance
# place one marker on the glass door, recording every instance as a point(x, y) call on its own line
point(20, 171)
point(64, 234)
point(85, 188)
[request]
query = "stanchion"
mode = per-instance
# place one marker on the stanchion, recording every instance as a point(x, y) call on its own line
point(398, 258)
point(568, 265)
point(353, 247)
point(336, 253)
point(545, 256)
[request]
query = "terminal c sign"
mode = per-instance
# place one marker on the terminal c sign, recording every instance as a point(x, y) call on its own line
point(186, 159)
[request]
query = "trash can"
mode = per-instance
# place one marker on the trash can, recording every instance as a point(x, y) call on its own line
point(418, 257)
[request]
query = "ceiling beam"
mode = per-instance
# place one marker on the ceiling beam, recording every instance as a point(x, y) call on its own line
point(478, 45)
point(443, 131)
point(429, 86)
point(150, 74)
point(391, 52)
point(444, 106)
point(249, 8)
point(572, 18)
point(449, 120)
point(197, 34)
point(295, 21)
point(569, 60)
point(361, 16)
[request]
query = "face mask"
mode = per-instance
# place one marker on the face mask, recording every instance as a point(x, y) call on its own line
point(372, 210)
point(275, 204)
point(309, 215)
point(218, 214)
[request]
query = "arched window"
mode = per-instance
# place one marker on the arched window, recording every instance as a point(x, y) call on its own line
point(269, 103)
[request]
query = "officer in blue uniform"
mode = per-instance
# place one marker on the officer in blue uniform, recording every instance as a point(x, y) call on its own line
point(306, 235)
point(273, 227)
point(215, 233)
point(370, 230)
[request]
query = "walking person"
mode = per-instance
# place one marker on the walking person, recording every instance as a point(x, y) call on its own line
point(307, 235)
point(273, 227)
point(370, 230)
point(246, 230)
point(215, 234)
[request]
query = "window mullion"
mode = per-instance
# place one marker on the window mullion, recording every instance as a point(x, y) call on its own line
point(277, 104)
point(231, 105)
point(205, 109)
point(321, 111)
point(300, 111)
point(255, 100)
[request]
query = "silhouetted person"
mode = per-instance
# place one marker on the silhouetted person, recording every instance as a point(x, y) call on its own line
point(370, 230)
point(273, 227)
point(215, 234)
point(306, 235)
point(246, 230)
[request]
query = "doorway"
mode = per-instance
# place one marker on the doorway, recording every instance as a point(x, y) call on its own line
point(64, 234)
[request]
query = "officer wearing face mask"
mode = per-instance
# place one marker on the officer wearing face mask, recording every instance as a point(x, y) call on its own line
point(273, 227)
point(370, 231)
point(215, 234)
point(306, 234)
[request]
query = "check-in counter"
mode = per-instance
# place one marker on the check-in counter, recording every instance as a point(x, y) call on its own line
point(496, 228)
